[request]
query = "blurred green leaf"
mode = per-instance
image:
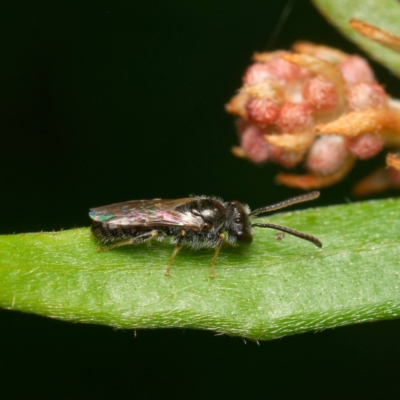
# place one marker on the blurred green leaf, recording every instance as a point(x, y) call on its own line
point(268, 290)
point(385, 14)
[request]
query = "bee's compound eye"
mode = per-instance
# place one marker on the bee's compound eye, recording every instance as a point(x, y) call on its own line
point(244, 237)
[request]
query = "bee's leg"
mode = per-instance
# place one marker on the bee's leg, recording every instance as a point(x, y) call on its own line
point(221, 240)
point(131, 241)
point(179, 245)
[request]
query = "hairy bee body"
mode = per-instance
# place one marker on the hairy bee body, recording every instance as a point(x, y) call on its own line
point(199, 222)
point(204, 221)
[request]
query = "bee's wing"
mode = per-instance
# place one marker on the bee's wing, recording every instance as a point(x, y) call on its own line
point(151, 213)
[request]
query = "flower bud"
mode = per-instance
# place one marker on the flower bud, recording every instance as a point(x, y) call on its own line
point(253, 143)
point(294, 117)
point(327, 154)
point(365, 146)
point(320, 94)
point(365, 95)
point(262, 111)
point(356, 69)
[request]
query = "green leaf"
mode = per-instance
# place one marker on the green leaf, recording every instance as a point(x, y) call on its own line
point(385, 14)
point(270, 289)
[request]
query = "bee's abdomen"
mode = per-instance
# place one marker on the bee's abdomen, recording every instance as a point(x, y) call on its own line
point(108, 233)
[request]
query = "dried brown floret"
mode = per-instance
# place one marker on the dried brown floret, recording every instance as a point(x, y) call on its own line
point(334, 56)
point(237, 104)
point(298, 143)
point(358, 123)
point(377, 182)
point(311, 181)
point(377, 35)
point(393, 161)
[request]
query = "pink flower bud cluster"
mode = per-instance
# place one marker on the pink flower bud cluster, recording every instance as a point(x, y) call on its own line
point(282, 102)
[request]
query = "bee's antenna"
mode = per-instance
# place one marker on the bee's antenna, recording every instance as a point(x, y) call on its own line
point(293, 232)
point(286, 203)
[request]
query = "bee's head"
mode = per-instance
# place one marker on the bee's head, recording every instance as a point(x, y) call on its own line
point(238, 223)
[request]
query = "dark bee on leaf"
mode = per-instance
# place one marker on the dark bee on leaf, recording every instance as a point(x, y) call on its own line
point(199, 222)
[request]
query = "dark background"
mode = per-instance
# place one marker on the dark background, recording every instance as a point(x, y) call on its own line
point(103, 102)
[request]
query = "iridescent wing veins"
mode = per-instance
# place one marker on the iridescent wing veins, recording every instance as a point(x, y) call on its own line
point(151, 213)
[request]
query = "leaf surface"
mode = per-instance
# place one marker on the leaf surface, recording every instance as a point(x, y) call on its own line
point(271, 289)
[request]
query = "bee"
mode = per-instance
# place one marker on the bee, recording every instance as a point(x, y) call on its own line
point(198, 221)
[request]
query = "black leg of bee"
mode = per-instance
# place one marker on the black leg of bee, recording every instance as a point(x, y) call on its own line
point(221, 237)
point(179, 245)
point(130, 241)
